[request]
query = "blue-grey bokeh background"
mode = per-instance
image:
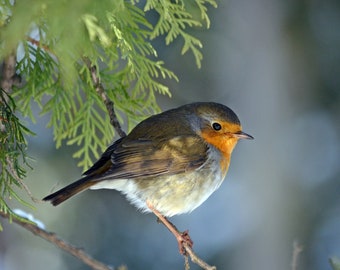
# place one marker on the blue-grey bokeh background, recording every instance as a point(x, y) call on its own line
point(277, 65)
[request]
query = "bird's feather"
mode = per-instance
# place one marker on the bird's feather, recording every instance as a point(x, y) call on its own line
point(148, 158)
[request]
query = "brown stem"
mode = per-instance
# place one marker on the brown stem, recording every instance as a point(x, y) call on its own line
point(107, 101)
point(8, 73)
point(197, 260)
point(53, 238)
point(7, 80)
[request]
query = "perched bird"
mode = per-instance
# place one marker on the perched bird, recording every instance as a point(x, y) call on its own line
point(169, 164)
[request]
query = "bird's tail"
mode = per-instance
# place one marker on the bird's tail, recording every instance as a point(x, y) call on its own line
point(70, 190)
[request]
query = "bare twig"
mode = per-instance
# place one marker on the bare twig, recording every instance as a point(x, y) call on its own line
point(53, 238)
point(197, 260)
point(186, 263)
point(297, 249)
point(107, 101)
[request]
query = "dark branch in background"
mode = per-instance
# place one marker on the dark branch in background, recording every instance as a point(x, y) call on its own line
point(8, 76)
point(53, 238)
point(107, 101)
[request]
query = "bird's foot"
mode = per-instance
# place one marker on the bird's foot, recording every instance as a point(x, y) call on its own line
point(183, 239)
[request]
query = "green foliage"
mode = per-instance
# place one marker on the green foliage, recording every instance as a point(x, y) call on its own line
point(12, 151)
point(52, 39)
point(335, 263)
point(173, 21)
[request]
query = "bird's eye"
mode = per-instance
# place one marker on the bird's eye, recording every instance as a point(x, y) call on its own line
point(216, 126)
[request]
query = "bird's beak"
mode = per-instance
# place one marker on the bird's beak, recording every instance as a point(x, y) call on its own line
point(243, 135)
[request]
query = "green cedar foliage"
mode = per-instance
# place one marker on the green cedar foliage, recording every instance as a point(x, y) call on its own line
point(335, 263)
point(53, 40)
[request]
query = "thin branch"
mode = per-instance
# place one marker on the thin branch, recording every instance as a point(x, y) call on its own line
point(197, 260)
point(297, 249)
point(107, 101)
point(186, 263)
point(53, 238)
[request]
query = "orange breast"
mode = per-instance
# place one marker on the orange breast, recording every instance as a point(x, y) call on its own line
point(223, 140)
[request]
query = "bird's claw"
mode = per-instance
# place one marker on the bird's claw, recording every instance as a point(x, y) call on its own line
point(183, 239)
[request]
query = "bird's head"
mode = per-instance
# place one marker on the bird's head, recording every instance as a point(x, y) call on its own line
point(218, 125)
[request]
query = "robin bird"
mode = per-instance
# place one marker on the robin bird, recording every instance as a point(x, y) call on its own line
point(169, 164)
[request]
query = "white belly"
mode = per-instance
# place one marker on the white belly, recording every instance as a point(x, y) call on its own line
point(170, 194)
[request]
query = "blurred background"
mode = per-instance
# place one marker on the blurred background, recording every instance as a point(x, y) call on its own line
point(277, 65)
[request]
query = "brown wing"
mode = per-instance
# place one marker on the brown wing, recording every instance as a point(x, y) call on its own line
point(146, 158)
